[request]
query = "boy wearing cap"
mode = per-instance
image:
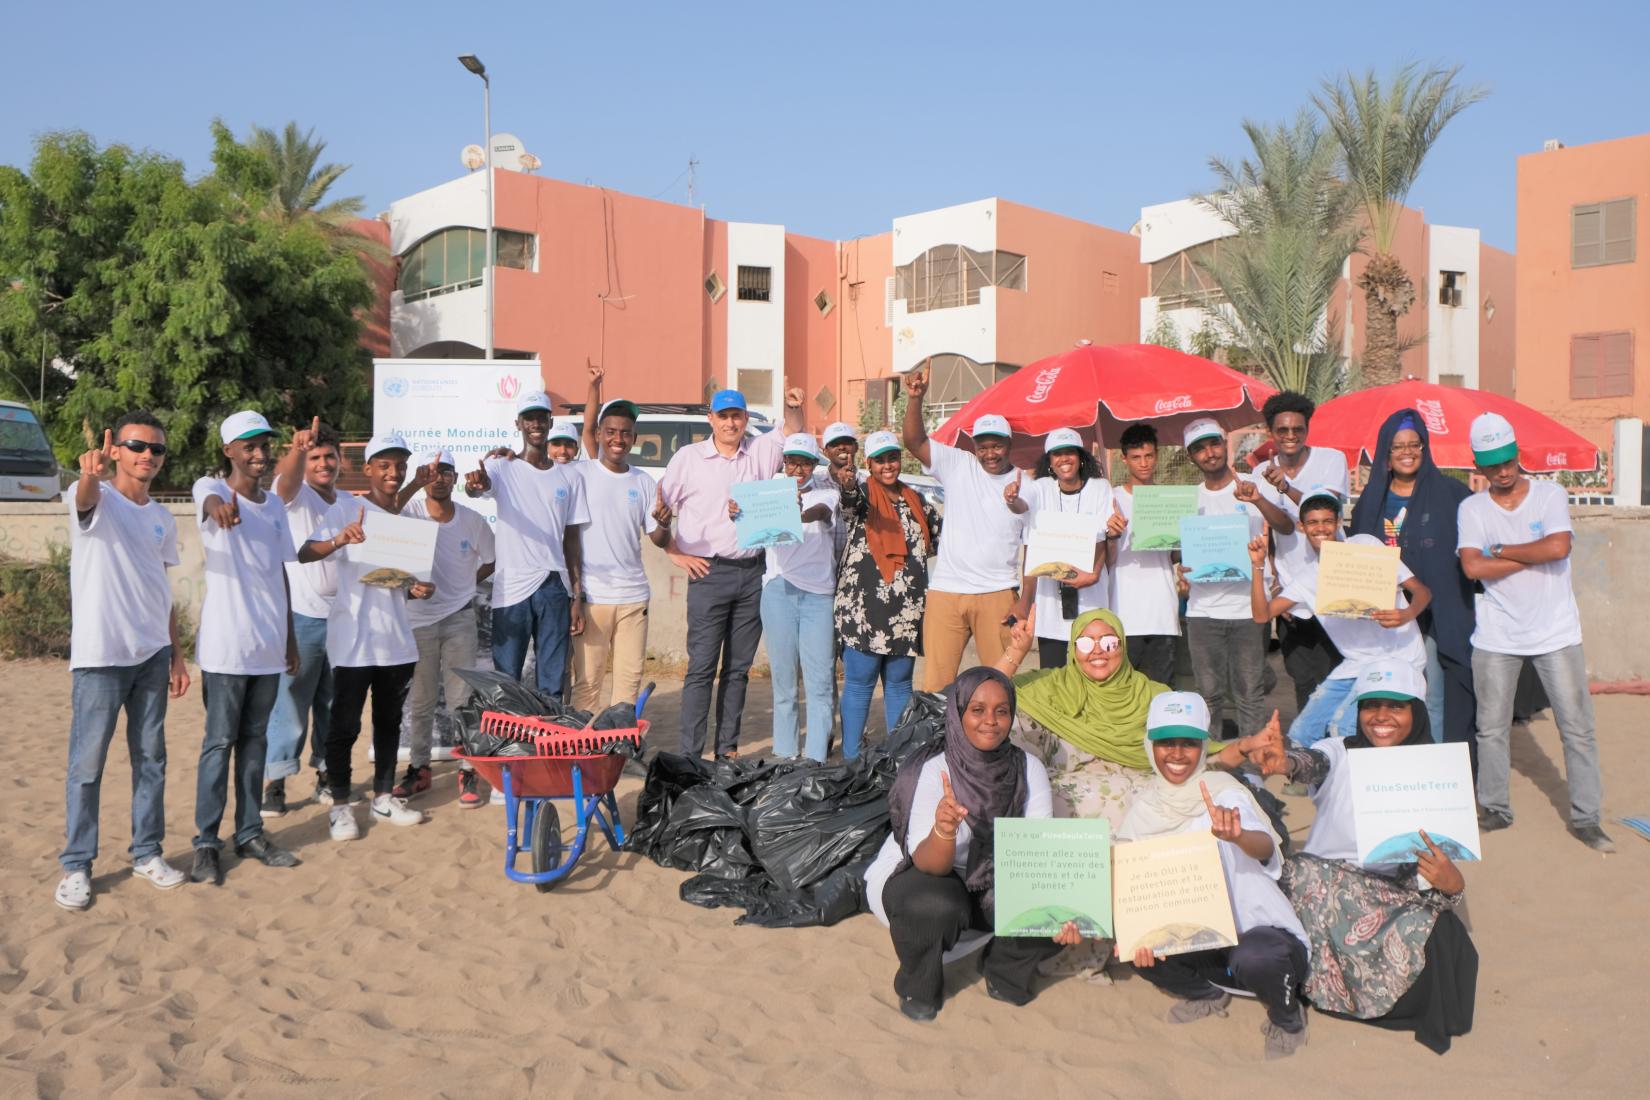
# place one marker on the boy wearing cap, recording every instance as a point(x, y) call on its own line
point(1143, 581)
point(1516, 541)
point(541, 509)
point(724, 597)
point(623, 504)
point(369, 642)
point(1228, 647)
point(562, 443)
point(444, 626)
point(123, 649)
point(245, 642)
point(974, 585)
point(841, 446)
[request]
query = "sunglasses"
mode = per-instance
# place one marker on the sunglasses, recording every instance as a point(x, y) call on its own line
point(1407, 448)
point(143, 446)
point(1108, 644)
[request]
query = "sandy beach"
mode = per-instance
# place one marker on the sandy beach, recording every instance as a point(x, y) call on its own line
point(407, 965)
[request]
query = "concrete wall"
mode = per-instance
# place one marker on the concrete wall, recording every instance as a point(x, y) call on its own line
point(1497, 326)
point(1452, 331)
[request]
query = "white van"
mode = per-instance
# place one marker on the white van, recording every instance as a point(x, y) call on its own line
point(664, 429)
point(28, 469)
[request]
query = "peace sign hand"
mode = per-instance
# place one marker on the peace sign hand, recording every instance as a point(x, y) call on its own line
point(1438, 868)
point(949, 814)
point(99, 462)
point(1225, 823)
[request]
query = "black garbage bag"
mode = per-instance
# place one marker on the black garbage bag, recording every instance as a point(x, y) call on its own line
point(506, 695)
point(685, 821)
point(812, 820)
point(619, 716)
point(477, 743)
point(921, 723)
point(839, 896)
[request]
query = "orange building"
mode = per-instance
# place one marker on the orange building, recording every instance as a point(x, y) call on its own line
point(1584, 275)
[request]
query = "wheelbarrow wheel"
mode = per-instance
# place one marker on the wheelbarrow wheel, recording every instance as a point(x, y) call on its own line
point(547, 845)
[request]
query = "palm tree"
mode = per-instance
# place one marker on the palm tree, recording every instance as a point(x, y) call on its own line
point(1296, 225)
point(1385, 135)
point(300, 186)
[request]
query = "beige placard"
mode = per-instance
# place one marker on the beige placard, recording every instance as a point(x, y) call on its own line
point(1169, 893)
point(1356, 581)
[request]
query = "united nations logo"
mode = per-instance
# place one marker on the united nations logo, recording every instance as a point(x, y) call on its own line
point(633, 495)
point(395, 386)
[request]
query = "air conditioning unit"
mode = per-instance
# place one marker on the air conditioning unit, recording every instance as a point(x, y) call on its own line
point(1551, 145)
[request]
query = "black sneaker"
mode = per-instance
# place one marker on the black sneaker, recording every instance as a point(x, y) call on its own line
point(1594, 837)
point(1490, 821)
point(274, 804)
point(469, 790)
point(920, 1011)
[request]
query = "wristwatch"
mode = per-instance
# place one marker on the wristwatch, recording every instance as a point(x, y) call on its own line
point(1495, 551)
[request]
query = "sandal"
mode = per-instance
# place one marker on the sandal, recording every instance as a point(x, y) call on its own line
point(74, 892)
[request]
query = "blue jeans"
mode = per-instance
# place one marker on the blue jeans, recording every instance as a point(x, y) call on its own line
point(301, 702)
point(859, 679)
point(98, 697)
point(800, 629)
point(544, 618)
point(237, 719)
point(1329, 712)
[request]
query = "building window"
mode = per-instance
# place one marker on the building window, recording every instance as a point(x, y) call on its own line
point(1601, 365)
point(1182, 281)
point(950, 275)
point(1603, 233)
point(755, 283)
point(453, 259)
point(823, 303)
point(715, 287)
point(1451, 284)
point(1455, 380)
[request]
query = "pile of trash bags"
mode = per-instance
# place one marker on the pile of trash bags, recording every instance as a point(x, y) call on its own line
point(505, 695)
point(788, 842)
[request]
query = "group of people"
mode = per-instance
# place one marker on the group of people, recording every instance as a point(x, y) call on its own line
point(292, 643)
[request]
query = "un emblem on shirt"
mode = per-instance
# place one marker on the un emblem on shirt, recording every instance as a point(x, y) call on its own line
point(160, 534)
point(632, 495)
point(561, 493)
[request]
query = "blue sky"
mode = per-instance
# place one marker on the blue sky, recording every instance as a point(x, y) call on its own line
point(829, 118)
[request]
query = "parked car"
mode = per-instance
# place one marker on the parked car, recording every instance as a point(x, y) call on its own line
point(28, 469)
point(664, 429)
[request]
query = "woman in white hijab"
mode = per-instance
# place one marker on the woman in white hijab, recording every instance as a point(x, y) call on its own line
point(1270, 958)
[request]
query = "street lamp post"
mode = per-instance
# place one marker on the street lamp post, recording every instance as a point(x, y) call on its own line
point(473, 63)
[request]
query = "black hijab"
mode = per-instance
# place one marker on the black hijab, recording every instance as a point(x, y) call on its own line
point(1420, 729)
point(988, 784)
point(1427, 540)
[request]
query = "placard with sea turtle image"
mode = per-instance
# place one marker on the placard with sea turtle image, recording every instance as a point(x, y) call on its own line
point(1169, 894)
point(1215, 549)
point(769, 513)
point(1400, 791)
point(1355, 581)
point(1050, 871)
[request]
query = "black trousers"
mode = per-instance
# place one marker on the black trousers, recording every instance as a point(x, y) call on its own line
point(724, 610)
point(388, 684)
point(1308, 655)
point(927, 915)
point(1460, 706)
point(1267, 961)
point(1153, 655)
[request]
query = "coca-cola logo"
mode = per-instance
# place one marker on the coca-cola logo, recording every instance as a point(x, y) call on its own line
point(1042, 384)
point(1171, 404)
point(1433, 413)
point(1557, 458)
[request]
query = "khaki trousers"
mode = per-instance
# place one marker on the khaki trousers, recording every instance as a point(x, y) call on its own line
point(949, 620)
point(617, 630)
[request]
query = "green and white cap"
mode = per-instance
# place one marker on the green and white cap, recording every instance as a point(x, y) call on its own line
point(1177, 714)
point(244, 425)
point(802, 445)
point(1391, 680)
point(563, 429)
point(839, 431)
point(1492, 440)
point(1202, 428)
point(880, 443)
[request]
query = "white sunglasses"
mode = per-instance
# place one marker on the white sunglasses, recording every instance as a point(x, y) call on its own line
point(1108, 643)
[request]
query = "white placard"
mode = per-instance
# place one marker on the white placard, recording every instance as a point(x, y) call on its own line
point(1397, 792)
point(1063, 538)
point(397, 542)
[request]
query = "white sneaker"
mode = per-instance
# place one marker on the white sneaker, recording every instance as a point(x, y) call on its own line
point(158, 872)
point(395, 811)
point(496, 798)
point(342, 824)
point(75, 891)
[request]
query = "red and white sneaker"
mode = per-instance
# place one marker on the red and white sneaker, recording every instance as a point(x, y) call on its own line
point(416, 781)
point(469, 790)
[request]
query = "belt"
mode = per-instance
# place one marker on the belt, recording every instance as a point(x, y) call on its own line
point(751, 562)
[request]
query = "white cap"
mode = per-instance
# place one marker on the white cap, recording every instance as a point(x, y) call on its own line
point(1177, 714)
point(439, 457)
point(1201, 428)
point(1060, 439)
point(992, 424)
point(1320, 490)
point(244, 425)
point(880, 443)
point(803, 445)
point(528, 402)
point(1391, 680)
point(562, 429)
point(390, 441)
point(839, 430)
point(1492, 439)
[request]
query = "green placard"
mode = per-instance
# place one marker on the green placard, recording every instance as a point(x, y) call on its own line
point(1050, 871)
point(1158, 509)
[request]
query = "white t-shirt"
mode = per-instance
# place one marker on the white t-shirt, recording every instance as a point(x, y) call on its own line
point(1362, 642)
point(463, 546)
point(925, 801)
point(1143, 589)
point(312, 585)
point(1534, 610)
point(244, 615)
point(121, 603)
point(368, 627)
point(535, 507)
point(811, 563)
point(621, 511)
point(981, 549)
point(1228, 599)
point(1094, 498)
point(1324, 466)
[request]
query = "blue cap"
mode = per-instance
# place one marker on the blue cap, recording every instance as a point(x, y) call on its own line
point(727, 399)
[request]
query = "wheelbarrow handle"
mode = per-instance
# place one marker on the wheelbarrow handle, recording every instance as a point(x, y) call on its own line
point(642, 697)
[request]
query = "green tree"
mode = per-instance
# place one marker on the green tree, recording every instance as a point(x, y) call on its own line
point(1296, 226)
point(1384, 135)
point(296, 181)
point(1164, 334)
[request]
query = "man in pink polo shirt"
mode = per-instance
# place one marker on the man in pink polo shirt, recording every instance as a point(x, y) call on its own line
point(724, 598)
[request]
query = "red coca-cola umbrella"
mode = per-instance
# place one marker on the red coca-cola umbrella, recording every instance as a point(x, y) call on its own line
point(1101, 390)
point(1352, 423)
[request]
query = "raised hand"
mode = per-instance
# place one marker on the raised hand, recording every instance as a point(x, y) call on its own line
point(1257, 550)
point(421, 590)
point(597, 372)
point(949, 813)
point(1245, 490)
point(1275, 476)
point(1011, 491)
point(1116, 523)
point(794, 397)
point(1266, 749)
point(1225, 823)
point(916, 383)
point(1234, 753)
point(476, 481)
point(353, 532)
point(99, 462)
point(1023, 633)
point(1438, 868)
point(225, 515)
point(304, 438)
point(844, 475)
point(661, 511)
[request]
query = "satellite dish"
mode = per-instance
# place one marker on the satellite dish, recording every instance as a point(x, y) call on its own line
point(530, 163)
point(507, 152)
point(472, 157)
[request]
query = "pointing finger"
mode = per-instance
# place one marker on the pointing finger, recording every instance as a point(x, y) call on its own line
point(108, 441)
point(362, 518)
point(945, 782)
point(1207, 799)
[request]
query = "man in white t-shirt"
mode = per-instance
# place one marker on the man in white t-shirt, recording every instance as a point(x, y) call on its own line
point(540, 563)
point(1228, 647)
point(444, 626)
point(623, 501)
point(562, 443)
point(840, 445)
point(123, 649)
point(306, 480)
point(975, 579)
point(245, 642)
point(1143, 591)
point(1308, 655)
point(1515, 539)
